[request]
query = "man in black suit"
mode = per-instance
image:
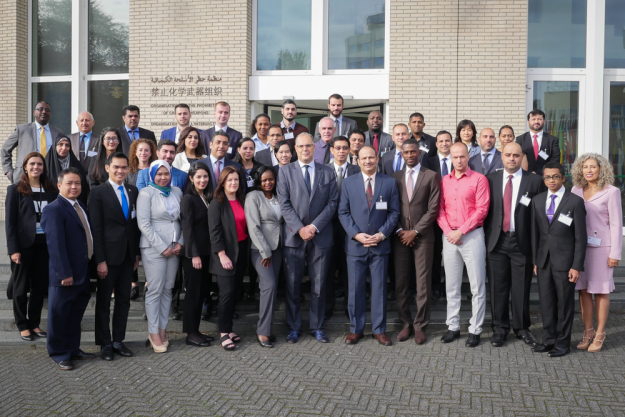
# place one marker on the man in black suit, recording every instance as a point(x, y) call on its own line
point(222, 116)
point(489, 158)
point(427, 143)
point(539, 146)
point(342, 169)
point(131, 130)
point(392, 161)
point(509, 245)
point(116, 248)
point(559, 242)
point(380, 141)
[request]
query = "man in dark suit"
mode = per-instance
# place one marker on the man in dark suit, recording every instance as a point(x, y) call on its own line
point(356, 141)
point(112, 206)
point(419, 195)
point(182, 114)
point(342, 169)
point(85, 143)
point(290, 128)
point(217, 160)
point(68, 235)
point(539, 146)
point(507, 230)
point(381, 141)
point(426, 142)
point(222, 116)
point(489, 158)
point(559, 242)
point(37, 136)
point(343, 125)
point(393, 161)
point(308, 198)
point(267, 156)
point(131, 130)
point(368, 211)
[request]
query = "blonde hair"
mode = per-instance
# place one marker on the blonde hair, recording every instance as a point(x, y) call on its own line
point(606, 173)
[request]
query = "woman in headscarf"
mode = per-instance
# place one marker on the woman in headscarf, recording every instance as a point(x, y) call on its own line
point(158, 215)
point(60, 157)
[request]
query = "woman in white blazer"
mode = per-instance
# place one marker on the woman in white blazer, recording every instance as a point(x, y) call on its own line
point(158, 215)
point(190, 149)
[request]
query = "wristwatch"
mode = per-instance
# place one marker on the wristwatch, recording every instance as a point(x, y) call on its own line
point(417, 233)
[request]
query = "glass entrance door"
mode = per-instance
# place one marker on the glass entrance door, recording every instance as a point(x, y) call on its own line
point(310, 117)
point(614, 129)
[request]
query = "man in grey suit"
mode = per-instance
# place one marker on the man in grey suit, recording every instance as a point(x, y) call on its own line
point(344, 126)
point(308, 198)
point(393, 160)
point(85, 143)
point(489, 158)
point(380, 141)
point(37, 136)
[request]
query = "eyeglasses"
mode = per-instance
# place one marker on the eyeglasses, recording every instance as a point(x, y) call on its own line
point(553, 177)
point(342, 148)
point(111, 140)
point(307, 146)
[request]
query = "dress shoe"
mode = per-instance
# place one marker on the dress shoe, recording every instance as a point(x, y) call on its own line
point(157, 349)
point(196, 340)
point(436, 294)
point(473, 340)
point(134, 292)
point(352, 338)
point(542, 348)
point(29, 338)
point(174, 315)
point(320, 336)
point(65, 365)
point(597, 343)
point(558, 352)
point(292, 337)
point(527, 337)
point(420, 337)
point(497, 340)
point(42, 335)
point(450, 336)
point(107, 353)
point(266, 344)
point(120, 349)
point(83, 356)
point(208, 338)
point(404, 334)
point(382, 339)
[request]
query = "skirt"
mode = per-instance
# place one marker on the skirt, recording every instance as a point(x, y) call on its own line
point(597, 277)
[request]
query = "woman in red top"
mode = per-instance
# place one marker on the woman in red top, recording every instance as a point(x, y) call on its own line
point(228, 234)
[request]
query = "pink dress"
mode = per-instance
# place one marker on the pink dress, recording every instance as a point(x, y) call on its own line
point(604, 220)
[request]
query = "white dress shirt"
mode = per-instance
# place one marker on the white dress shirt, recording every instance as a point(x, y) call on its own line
point(539, 138)
point(217, 128)
point(274, 160)
point(559, 193)
point(516, 183)
point(447, 162)
point(366, 177)
point(119, 194)
point(311, 171)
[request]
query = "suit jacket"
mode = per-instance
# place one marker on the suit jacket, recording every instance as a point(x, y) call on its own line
point(21, 218)
point(351, 170)
point(356, 216)
point(531, 185)
point(386, 166)
point(234, 135)
point(67, 242)
point(476, 163)
point(25, 137)
point(263, 225)
point(126, 142)
point(550, 144)
point(227, 163)
point(171, 134)
point(420, 210)
point(564, 247)
point(178, 178)
point(427, 141)
point(345, 129)
point(194, 223)
point(264, 157)
point(113, 233)
point(94, 145)
point(223, 236)
point(299, 209)
point(385, 141)
point(158, 231)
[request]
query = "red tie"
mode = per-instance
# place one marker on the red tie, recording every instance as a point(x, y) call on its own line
point(376, 145)
point(507, 204)
point(536, 148)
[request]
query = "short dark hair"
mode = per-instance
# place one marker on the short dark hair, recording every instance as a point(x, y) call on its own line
point(183, 105)
point(417, 114)
point(120, 155)
point(339, 139)
point(220, 132)
point(554, 165)
point(289, 101)
point(70, 170)
point(166, 142)
point(273, 126)
point(358, 132)
point(130, 107)
point(43, 102)
point(505, 127)
point(444, 132)
point(283, 142)
point(536, 112)
point(337, 97)
point(410, 141)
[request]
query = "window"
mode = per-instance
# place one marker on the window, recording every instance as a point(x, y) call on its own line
point(616, 145)
point(108, 37)
point(51, 38)
point(614, 34)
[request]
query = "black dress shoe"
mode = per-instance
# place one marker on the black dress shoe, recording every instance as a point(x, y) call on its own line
point(195, 340)
point(134, 293)
point(450, 336)
point(83, 356)
point(473, 340)
point(29, 338)
point(65, 365)
point(543, 348)
point(107, 353)
point(527, 337)
point(497, 340)
point(209, 338)
point(43, 335)
point(120, 349)
point(436, 294)
point(265, 344)
point(558, 352)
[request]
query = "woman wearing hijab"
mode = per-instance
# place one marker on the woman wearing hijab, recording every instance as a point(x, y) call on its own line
point(60, 157)
point(158, 215)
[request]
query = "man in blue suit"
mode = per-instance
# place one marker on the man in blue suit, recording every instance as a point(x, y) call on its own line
point(68, 235)
point(308, 197)
point(222, 116)
point(218, 159)
point(166, 152)
point(368, 211)
point(182, 113)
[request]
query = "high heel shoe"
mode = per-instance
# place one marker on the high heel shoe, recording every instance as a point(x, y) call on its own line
point(594, 348)
point(586, 340)
point(157, 349)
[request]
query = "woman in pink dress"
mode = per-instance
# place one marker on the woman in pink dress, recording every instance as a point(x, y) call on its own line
point(593, 177)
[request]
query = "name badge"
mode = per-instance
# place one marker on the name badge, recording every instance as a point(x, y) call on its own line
point(563, 218)
point(288, 135)
point(381, 205)
point(424, 148)
point(133, 214)
point(92, 153)
point(525, 200)
point(595, 241)
point(544, 155)
point(229, 149)
point(250, 182)
point(39, 229)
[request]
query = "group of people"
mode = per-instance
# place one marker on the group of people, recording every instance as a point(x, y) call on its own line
point(362, 214)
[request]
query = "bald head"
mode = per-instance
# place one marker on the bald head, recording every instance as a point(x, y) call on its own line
point(512, 156)
point(487, 139)
point(459, 157)
point(85, 122)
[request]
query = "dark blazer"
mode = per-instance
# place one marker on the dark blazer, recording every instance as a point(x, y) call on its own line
point(429, 141)
point(386, 167)
point(351, 170)
point(67, 242)
point(420, 210)
point(21, 218)
point(126, 142)
point(194, 222)
point(496, 164)
point(234, 135)
point(385, 141)
point(531, 185)
point(113, 233)
point(550, 144)
point(264, 157)
point(564, 247)
point(94, 145)
point(223, 236)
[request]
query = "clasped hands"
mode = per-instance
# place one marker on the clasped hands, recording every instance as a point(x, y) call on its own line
point(369, 240)
point(175, 251)
point(307, 232)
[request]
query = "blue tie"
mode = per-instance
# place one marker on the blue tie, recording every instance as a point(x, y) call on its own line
point(444, 170)
point(307, 180)
point(398, 164)
point(124, 202)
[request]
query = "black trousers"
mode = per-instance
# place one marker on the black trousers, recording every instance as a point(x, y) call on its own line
point(338, 263)
point(557, 306)
point(196, 283)
point(31, 275)
point(510, 279)
point(119, 278)
point(228, 290)
point(437, 259)
point(175, 292)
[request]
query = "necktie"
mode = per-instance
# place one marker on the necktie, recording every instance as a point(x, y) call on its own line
point(43, 147)
point(398, 163)
point(444, 170)
point(376, 145)
point(339, 177)
point(124, 201)
point(307, 180)
point(485, 164)
point(552, 208)
point(217, 171)
point(536, 147)
point(326, 157)
point(409, 183)
point(81, 148)
point(337, 130)
point(369, 193)
point(507, 204)
point(133, 135)
point(86, 227)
